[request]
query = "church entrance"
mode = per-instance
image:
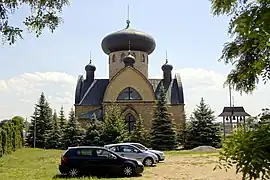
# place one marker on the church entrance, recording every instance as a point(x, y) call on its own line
point(130, 121)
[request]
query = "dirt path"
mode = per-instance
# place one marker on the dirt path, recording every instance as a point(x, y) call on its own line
point(189, 167)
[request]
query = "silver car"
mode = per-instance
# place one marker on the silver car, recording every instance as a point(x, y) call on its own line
point(130, 151)
point(160, 154)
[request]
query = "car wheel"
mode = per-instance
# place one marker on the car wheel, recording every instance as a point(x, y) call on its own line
point(148, 161)
point(159, 158)
point(73, 172)
point(128, 170)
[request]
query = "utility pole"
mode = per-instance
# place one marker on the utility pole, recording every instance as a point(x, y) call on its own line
point(35, 128)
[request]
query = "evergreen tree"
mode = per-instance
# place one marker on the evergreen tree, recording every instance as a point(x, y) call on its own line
point(202, 130)
point(163, 136)
point(62, 119)
point(140, 134)
point(62, 126)
point(41, 123)
point(115, 130)
point(94, 132)
point(73, 134)
point(54, 136)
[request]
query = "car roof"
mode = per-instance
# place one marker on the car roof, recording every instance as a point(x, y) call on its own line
point(120, 144)
point(86, 147)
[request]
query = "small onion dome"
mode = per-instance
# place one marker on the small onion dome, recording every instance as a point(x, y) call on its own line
point(167, 67)
point(118, 41)
point(90, 67)
point(129, 60)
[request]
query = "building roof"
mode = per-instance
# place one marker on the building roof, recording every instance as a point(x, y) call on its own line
point(233, 111)
point(119, 41)
point(93, 94)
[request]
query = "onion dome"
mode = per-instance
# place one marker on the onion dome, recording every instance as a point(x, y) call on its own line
point(166, 66)
point(129, 60)
point(90, 67)
point(118, 41)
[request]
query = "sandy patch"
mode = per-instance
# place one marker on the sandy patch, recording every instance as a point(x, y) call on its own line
point(189, 167)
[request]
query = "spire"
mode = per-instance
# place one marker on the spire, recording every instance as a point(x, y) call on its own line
point(90, 58)
point(166, 57)
point(166, 66)
point(90, 66)
point(128, 21)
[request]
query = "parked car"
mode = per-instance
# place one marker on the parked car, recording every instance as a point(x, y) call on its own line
point(97, 160)
point(160, 154)
point(130, 151)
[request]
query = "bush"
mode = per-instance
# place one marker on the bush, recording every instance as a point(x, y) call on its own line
point(11, 135)
point(248, 149)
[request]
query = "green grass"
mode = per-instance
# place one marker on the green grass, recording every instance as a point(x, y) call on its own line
point(39, 164)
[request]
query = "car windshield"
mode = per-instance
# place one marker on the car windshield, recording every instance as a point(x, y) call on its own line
point(140, 146)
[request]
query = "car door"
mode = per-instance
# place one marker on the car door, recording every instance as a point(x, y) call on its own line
point(137, 153)
point(129, 151)
point(89, 161)
point(110, 163)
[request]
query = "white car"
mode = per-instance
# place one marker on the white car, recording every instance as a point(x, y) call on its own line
point(130, 151)
point(160, 154)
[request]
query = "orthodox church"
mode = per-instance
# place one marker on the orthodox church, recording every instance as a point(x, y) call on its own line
point(128, 84)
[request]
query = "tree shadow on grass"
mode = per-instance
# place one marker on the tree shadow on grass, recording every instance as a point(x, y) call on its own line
point(60, 176)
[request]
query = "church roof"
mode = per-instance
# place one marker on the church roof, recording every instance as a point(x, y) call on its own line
point(93, 94)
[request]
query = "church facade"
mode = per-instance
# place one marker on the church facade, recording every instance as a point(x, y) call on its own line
point(128, 84)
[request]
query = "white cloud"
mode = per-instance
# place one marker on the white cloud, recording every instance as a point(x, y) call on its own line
point(3, 85)
point(22, 92)
point(19, 94)
point(208, 84)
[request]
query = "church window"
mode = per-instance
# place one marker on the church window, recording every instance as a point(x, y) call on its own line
point(122, 57)
point(134, 55)
point(129, 93)
point(130, 121)
point(113, 58)
point(143, 58)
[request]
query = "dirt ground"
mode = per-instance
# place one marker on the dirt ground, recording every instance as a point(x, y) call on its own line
point(189, 167)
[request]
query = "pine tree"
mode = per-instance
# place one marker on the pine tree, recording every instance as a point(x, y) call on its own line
point(140, 134)
point(202, 130)
point(94, 132)
point(115, 130)
point(73, 134)
point(62, 119)
point(41, 123)
point(163, 136)
point(54, 136)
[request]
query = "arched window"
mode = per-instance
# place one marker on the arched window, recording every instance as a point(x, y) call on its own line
point(134, 55)
point(122, 57)
point(113, 58)
point(130, 121)
point(129, 93)
point(143, 58)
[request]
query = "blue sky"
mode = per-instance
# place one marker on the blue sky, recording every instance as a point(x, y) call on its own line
point(186, 29)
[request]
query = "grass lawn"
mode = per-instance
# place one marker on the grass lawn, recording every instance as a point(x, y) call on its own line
point(37, 164)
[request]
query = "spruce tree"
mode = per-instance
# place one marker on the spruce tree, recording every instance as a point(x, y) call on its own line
point(115, 130)
point(41, 123)
point(140, 134)
point(73, 134)
point(94, 132)
point(62, 119)
point(202, 131)
point(54, 136)
point(62, 126)
point(163, 136)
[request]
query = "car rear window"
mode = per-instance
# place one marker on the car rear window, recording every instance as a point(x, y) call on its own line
point(70, 152)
